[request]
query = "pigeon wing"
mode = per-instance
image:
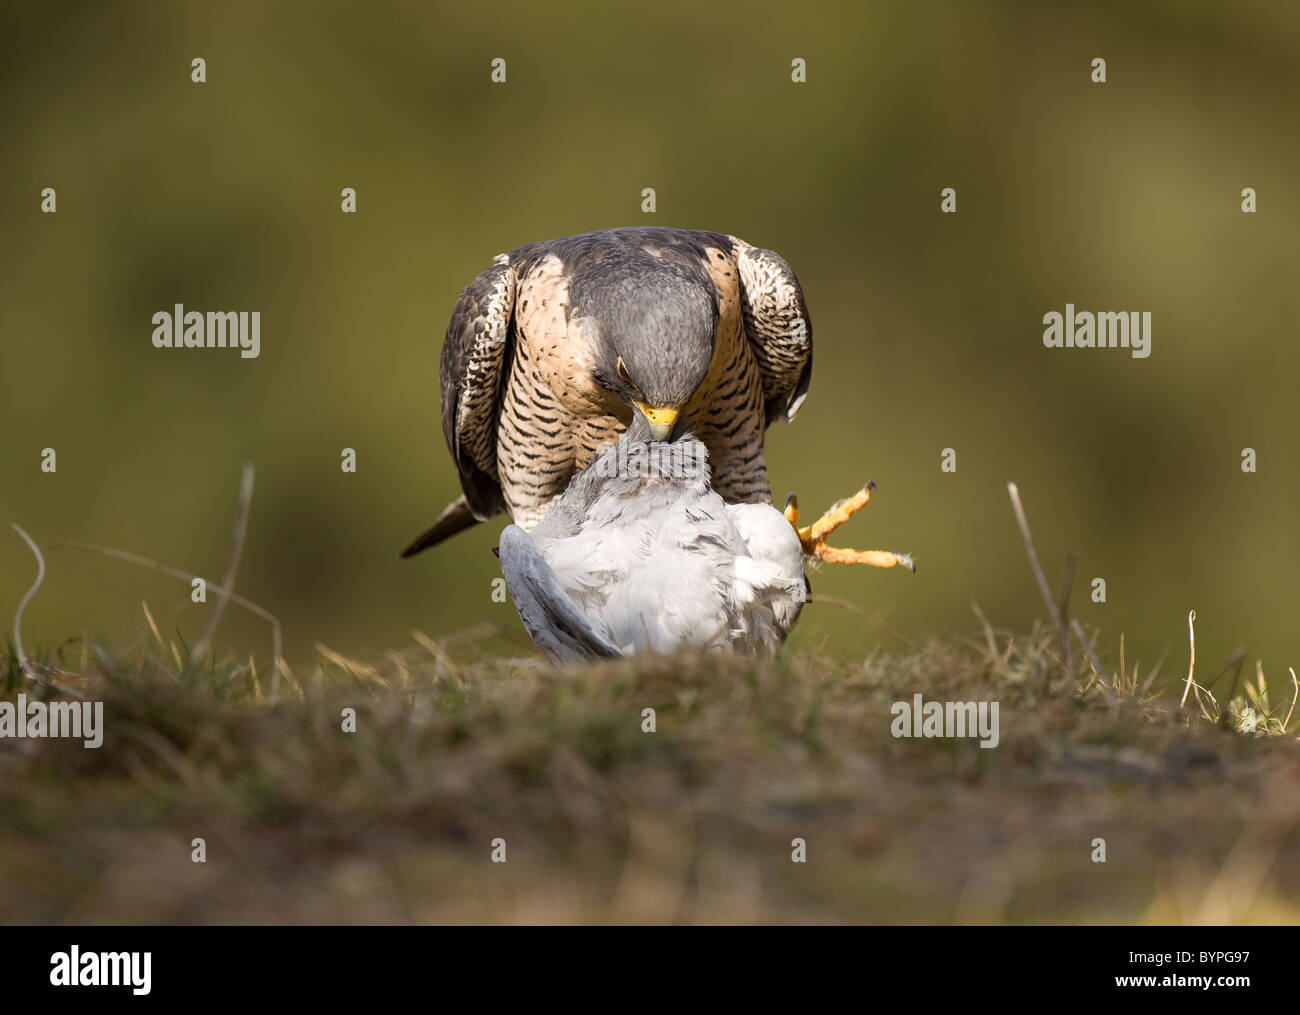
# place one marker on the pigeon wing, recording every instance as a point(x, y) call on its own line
point(556, 625)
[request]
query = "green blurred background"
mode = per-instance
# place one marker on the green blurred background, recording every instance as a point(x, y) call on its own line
point(225, 195)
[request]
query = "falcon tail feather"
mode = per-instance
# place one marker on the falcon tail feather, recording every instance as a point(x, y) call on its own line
point(456, 517)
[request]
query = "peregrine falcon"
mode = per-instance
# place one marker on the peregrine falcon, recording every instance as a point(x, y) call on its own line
point(551, 350)
point(639, 554)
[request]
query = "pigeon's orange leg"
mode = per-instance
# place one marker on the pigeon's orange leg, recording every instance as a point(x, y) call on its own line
point(813, 537)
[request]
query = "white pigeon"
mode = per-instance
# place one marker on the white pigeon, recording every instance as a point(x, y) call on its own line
point(639, 554)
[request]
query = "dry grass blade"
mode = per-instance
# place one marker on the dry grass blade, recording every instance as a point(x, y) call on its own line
point(355, 667)
point(989, 637)
point(204, 640)
point(854, 608)
point(23, 661)
point(1191, 662)
point(153, 627)
point(1091, 653)
point(277, 642)
point(1063, 602)
point(433, 648)
point(1044, 589)
point(1291, 711)
point(1234, 663)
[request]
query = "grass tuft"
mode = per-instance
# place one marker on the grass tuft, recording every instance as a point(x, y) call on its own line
point(603, 822)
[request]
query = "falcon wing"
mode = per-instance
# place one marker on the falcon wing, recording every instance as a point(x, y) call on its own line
point(777, 326)
point(557, 626)
point(475, 362)
point(475, 357)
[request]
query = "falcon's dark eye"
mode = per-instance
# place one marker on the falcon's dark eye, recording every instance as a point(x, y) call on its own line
point(627, 377)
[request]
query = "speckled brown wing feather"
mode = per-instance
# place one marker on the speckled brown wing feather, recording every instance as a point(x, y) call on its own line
point(778, 328)
point(475, 359)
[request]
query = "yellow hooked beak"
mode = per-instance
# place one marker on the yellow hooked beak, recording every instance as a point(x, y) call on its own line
point(661, 420)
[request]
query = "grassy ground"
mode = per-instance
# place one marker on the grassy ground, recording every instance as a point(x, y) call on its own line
point(603, 822)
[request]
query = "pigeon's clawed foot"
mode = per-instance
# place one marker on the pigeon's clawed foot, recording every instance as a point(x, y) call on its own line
point(813, 537)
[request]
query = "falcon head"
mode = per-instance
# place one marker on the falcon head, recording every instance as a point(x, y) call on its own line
point(655, 323)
